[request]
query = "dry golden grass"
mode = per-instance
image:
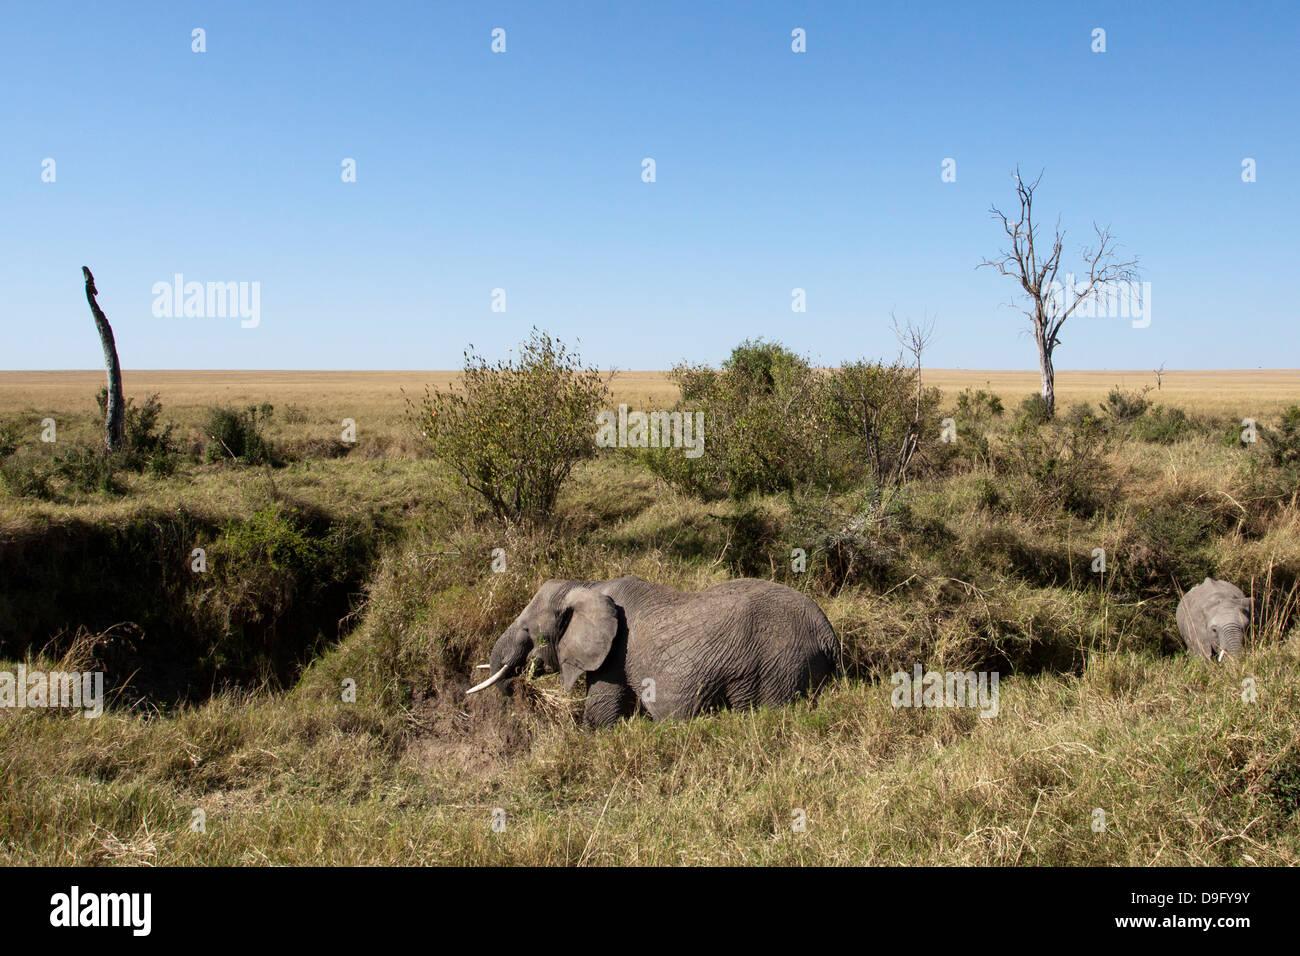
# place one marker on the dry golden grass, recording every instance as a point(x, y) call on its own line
point(1254, 393)
point(75, 390)
point(376, 401)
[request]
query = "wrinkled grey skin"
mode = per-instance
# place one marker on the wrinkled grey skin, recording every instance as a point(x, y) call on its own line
point(1212, 618)
point(738, 644)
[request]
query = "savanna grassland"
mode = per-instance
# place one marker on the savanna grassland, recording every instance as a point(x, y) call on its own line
point(368, 562)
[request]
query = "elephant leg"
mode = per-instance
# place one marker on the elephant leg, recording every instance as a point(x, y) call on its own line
point(608, 701)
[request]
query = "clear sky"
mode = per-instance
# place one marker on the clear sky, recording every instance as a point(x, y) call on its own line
point(522, 171)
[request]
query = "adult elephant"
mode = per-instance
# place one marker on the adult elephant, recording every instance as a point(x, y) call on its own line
point(739, 644)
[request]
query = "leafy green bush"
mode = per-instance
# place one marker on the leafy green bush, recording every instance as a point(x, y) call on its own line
point(762, 428)
point(1232, 435)
point(1162, 425)
point(978, 406)
point(879, 412)
point(515, 429)
point(77, 468)
point(775, 424)
point(1081, 415)
point(236, 435)
point(1061, 465)
point(1284, 441)
point(1033, 411)
point(147, 448)
point(1168, 544)
point(1125, 406)
point(87, 469)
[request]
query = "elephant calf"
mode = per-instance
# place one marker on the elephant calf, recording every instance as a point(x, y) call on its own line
point(738, 644)
point(1212, 617)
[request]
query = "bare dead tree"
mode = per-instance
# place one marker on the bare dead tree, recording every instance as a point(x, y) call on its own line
point(114, 418)
point(1049, 305)
point(1160, 376)
point(915, 339)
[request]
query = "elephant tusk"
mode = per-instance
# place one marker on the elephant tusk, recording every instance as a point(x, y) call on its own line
point(481, 667)
point(489, 682)
point(1221, 650)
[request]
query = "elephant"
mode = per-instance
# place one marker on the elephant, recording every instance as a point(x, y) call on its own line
point(1213, 616)
point(739, 644)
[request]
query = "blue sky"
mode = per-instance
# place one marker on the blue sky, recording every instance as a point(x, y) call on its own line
point(522, 171)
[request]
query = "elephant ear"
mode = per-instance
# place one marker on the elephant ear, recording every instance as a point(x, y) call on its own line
point(593, 625)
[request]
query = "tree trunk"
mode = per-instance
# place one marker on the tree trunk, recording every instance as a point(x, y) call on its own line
point(1049, 377)
point(115, 413)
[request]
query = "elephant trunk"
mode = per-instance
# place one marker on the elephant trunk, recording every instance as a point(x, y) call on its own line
point(1229, 641)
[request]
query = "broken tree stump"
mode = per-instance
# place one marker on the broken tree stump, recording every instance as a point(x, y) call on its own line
point(115, 412)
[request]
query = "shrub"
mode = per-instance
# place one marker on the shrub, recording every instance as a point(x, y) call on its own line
point(763, 425)
point(763, 368)
point(79, 468)
point(1033, 411)
point(1061, 465)
point(1168, 544)
point(695, 382)
point(978, 406)
point(1284, 441)
point(515, 429)
point(1125, 406)
point(1233, 435)
point(878, 412)
point(1162, 425)
point(852, 543)
point(90, 468)
point(1081, 415)
point(87, 469)
point(146, 446)
point(775, 424)
point(235, 435)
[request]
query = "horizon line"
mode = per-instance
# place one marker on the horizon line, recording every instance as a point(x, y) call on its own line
point(618, 370)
